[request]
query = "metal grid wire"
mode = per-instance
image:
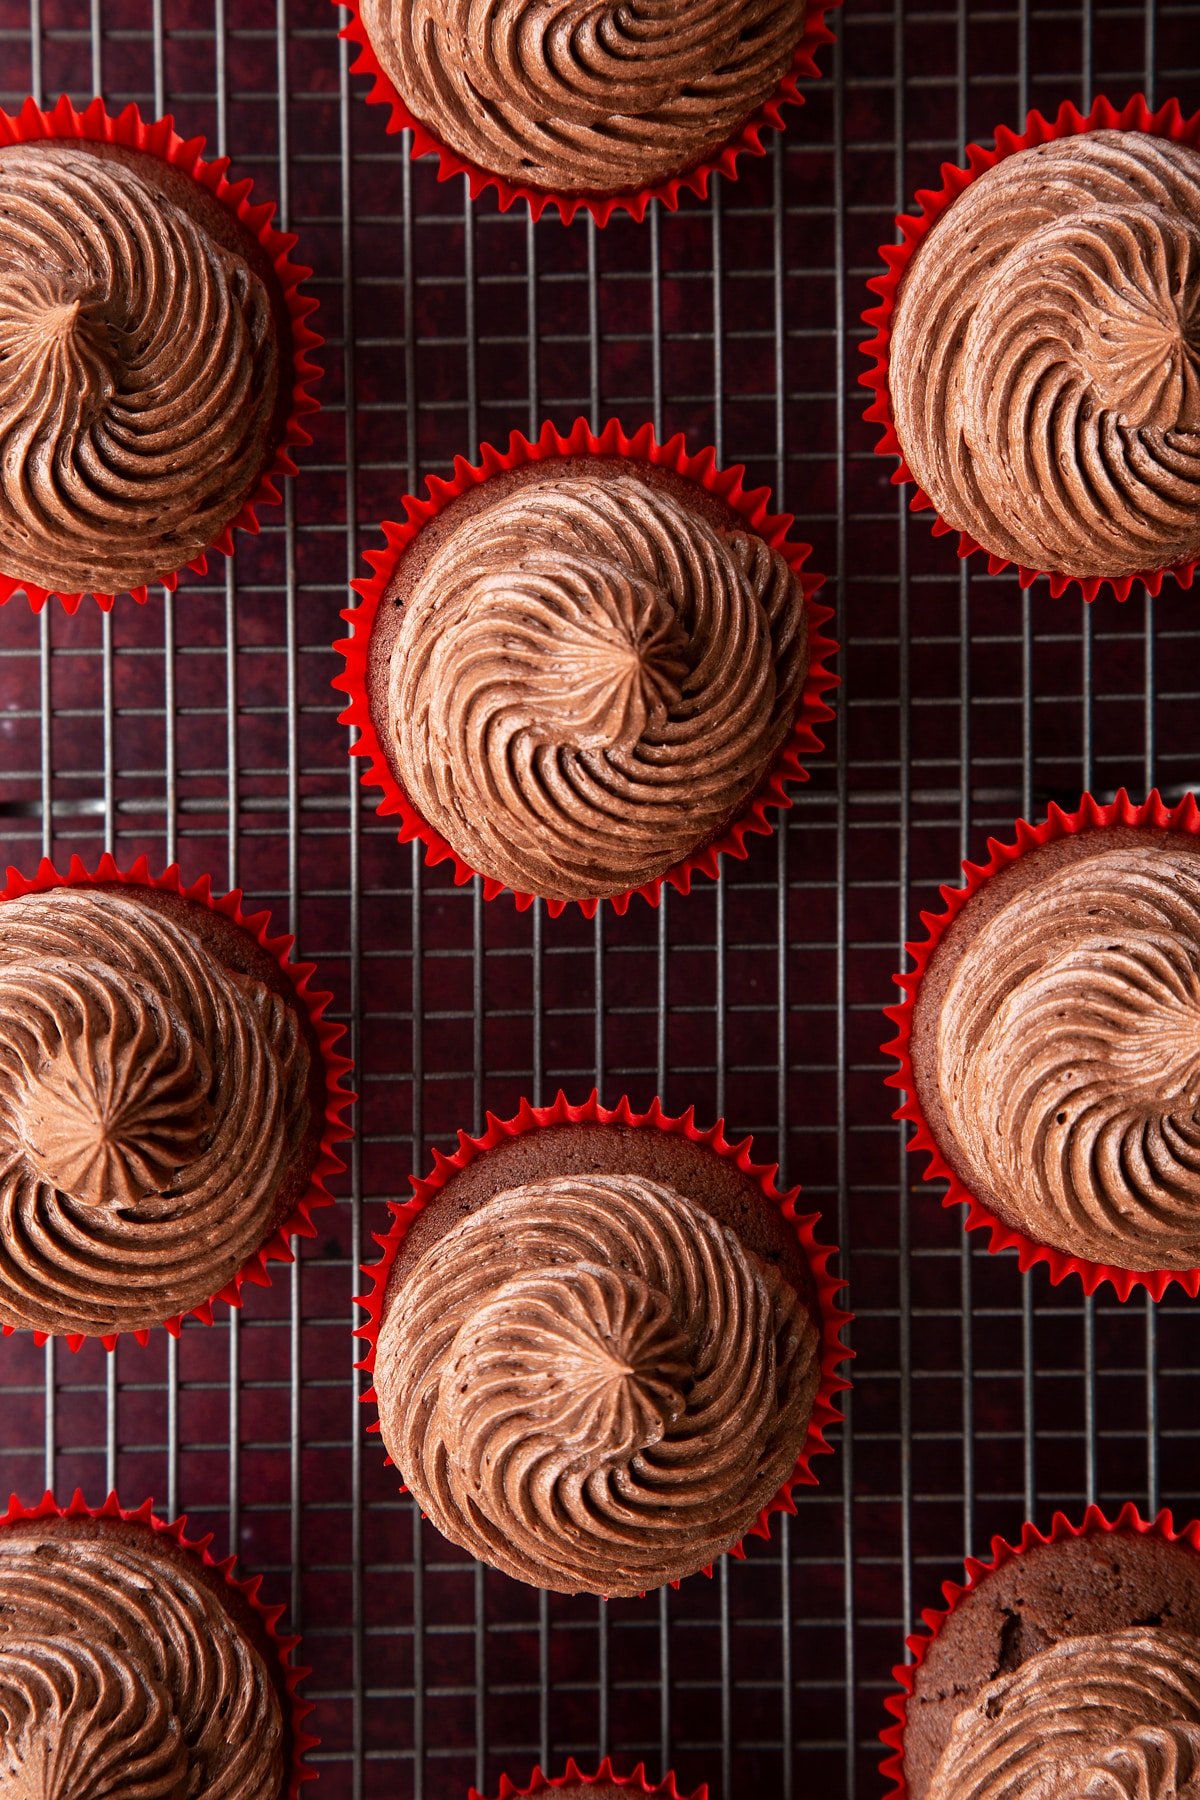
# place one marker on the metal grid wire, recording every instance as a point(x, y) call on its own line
point(202, 727)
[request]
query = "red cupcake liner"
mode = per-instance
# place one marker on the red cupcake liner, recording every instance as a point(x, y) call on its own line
point(248, 1587)
point(1093, 1524)
point(534, 1118)
point(748, 140)
point(1167, 122)
point(1090, 816)
point(637, 1782)
point(338, 1098)
point(95, 124)
point(701, 467)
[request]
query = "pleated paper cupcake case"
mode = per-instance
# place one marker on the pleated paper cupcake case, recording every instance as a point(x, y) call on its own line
point(1167, 121)
point(338, 1097)
point(637, 1782)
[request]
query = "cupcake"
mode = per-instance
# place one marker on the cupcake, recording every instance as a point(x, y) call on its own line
point(586, 672)
point(573, 104)
point(601, 1348)
point(1069, 1666)
point(1054, 1041)
point(131, 1664)
point(163, 1089)
point(151, 340)
point(1043, 366)
point(605, 1784)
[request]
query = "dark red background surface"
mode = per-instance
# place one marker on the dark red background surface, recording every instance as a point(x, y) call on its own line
point(204, 727)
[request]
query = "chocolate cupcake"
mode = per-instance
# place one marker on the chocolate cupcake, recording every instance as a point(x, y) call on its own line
point(597, 1355)
point(128, 1666)
point(583, 99)
point(1043, 365)
point(146, 375)
point(1055, 1045)
point(582, 670)
point(1071, 1668)
point(162, 1100)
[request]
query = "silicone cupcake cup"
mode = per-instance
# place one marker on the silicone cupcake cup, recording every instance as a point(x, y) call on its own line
point(637, 1782)
point(338, 1097)
point(96, 125)
point(248, 1587)
point(747, 141)
point(1167, 122)
point(1093, 1524)
point(535, 1118)
point(1090, 816)
point(701, 467)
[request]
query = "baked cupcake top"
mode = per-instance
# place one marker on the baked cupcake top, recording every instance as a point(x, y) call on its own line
point(1056, 1047)
point(578, 97)
point(125, 1669)
point(1117, 1714)
point(1044, 365)
point(590, 1790)
point(141, 374)
point(160, 1106)
point(1073, 1669)
point(595, 1379)
point(582, 672)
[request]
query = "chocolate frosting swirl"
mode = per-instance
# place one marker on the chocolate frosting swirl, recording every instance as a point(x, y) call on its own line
point(1045, 357)
point(151, 1101)
point(1113, 1717)
point(121, 1673)
point(589, 680)
point(139, 373)
point(1068, 1057)
point(590, 1384)
point(584, 96)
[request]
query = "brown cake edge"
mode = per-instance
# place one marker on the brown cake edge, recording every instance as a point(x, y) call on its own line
point(1100, 1583)
point(694, 1170)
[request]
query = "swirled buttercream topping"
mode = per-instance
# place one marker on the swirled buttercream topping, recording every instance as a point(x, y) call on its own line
point(584, 96)
point(590, 1384)
point(1068, 1058)
point(589, 681)
point(151, 1103)
point(1045, 357)
point(1114, 1717)
point(121, 1674)
point(139, 372)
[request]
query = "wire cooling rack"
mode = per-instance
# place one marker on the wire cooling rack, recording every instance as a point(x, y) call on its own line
point(202, 727)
